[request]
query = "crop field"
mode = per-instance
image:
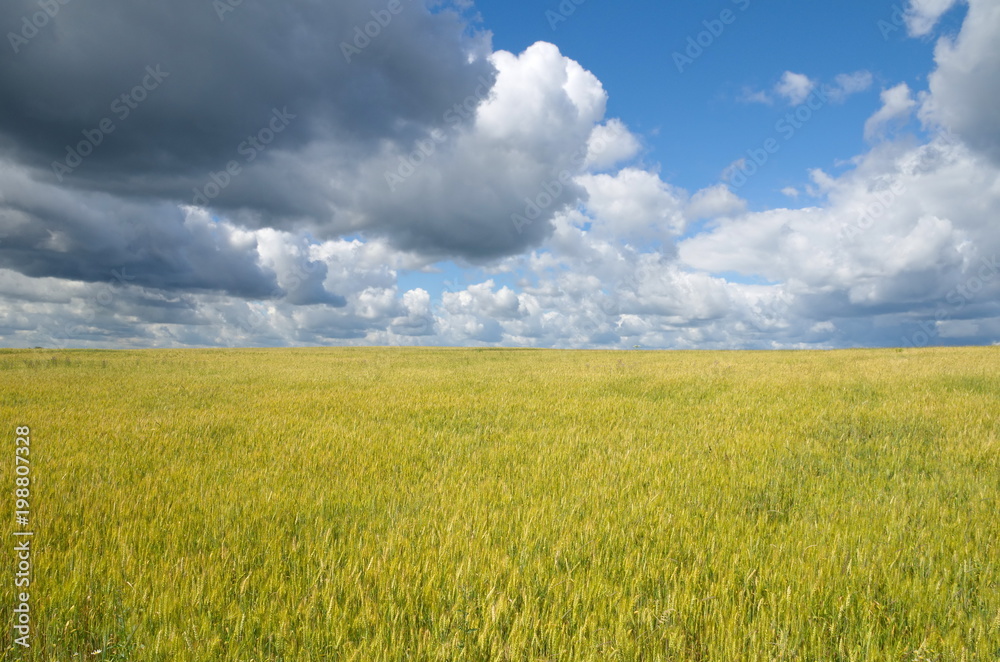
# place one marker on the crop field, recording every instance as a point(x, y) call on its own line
point(459, 504)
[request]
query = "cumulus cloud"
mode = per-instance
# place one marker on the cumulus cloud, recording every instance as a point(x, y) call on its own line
point(714, 202)
point(274, 118)
point(418, 319)
point(633, 204)
point(795, 88)
point(516, 157)
point(901, 234)
point(897, 106)
point(609, 145)
point(963, 87)
point(233, 167)
point(922, 15)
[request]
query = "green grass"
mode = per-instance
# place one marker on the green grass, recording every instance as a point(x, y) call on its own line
point(405, 504)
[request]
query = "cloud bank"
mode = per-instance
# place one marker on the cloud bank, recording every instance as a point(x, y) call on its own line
point(278, 179)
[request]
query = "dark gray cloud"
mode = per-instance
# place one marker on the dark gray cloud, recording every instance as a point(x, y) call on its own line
point(183, 88)
point(91, 237)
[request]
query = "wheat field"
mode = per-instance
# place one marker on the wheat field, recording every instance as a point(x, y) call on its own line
point(392, 504)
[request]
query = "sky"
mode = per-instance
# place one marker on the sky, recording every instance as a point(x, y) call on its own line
point(721, 174)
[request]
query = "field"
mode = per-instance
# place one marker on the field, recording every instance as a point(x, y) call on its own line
point(445, 504)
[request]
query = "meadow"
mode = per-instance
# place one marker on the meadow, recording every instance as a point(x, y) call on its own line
point(399, 504)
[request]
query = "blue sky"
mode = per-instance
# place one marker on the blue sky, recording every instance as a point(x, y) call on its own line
point(806, 175)
point(692, 122)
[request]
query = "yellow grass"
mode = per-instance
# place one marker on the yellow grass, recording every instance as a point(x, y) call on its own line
point(416, 504)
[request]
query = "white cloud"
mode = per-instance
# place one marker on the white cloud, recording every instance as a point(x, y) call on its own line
point(732, 169)
point(634, 203)
point(897, 106)
point(610, 144)
point(899, 233)
point(750, 95)
point(713, 202)
point(795, 88)
point(846, 85)
point(481, 300)
point(922, 15)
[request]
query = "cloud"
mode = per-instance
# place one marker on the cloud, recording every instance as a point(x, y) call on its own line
point(274, 118)
point(965, 84)
point(234, 173)
point(609, 145)
point(922, 15)
point(46, 231)
point(714, 202)
point(897, 106)
point(846, 85)
point(634, 203)
point(223, 85)
point(795, 88)
point(419, 318)
point(494, 185)
point(902, 238)
point(749, 95)
point(899, 237)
